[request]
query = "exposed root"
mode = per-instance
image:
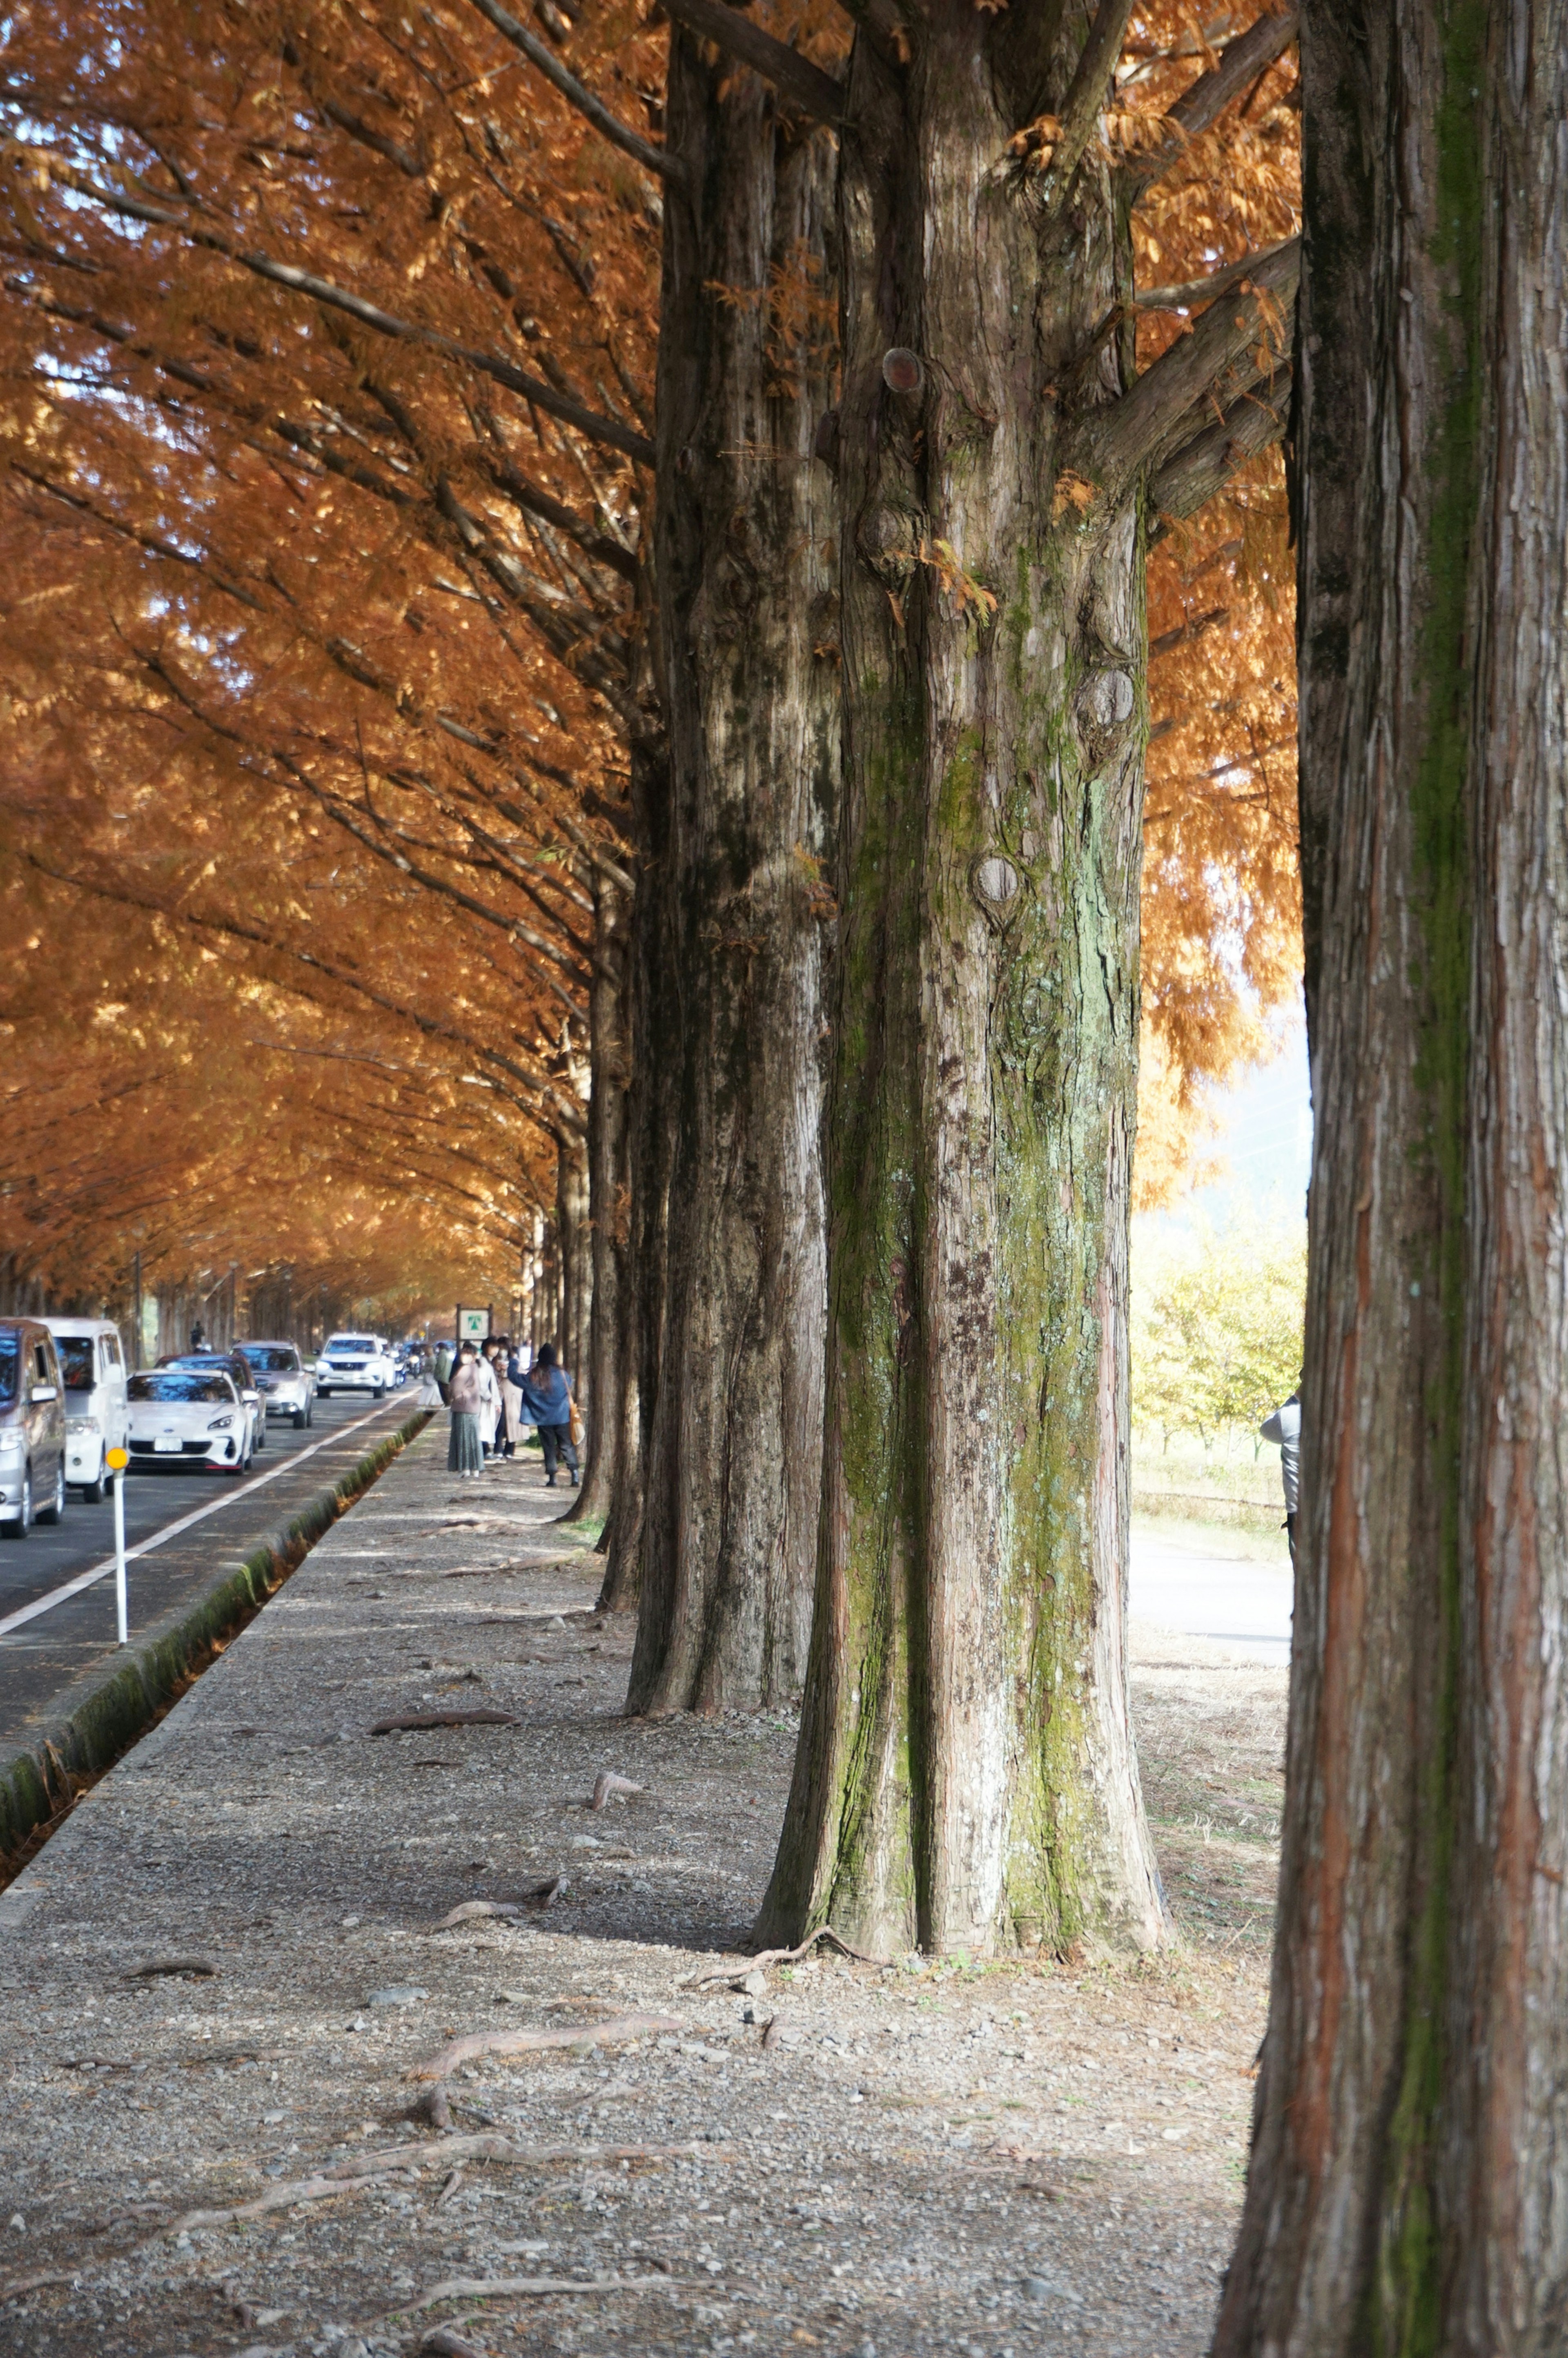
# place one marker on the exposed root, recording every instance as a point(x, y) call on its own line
point(619, 2031)
point(607, 1783)
point(417, 1719)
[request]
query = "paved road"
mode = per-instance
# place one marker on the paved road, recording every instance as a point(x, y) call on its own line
point(51, 1652)
point(1244, 1607)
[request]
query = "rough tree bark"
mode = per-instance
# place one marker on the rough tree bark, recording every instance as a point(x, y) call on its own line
point(730, 1191)
point(1405, 2187)
point(605, 1382)
point(965, 1775)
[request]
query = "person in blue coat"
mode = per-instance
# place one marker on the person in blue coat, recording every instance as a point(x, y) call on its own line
point(548, 1402)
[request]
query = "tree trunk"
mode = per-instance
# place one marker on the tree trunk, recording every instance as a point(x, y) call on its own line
point(745, 527)
point(649, 978)
point(604, 1380)
point(1405, 2187)
point(965, 1775)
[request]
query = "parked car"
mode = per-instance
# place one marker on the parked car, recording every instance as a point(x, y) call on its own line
point(190, 1415)
point(93, 1367)
point(288, 1387)
point(32, 1427)
point(239, 1368)
point(355, 1363)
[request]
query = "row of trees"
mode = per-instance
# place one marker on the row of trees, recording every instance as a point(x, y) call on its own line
point(828, 659)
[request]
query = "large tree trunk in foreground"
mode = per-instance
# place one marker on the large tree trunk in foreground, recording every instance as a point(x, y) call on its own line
point(745, 531)
point(1405, 2192)
point(965, 1776)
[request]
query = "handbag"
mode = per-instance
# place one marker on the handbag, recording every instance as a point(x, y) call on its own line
point(576, 1426)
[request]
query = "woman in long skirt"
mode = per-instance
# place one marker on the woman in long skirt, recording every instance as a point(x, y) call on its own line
point(489, 1402)
point(465, 1455)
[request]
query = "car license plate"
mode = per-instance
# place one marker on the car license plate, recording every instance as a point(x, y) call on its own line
point(169, 1441)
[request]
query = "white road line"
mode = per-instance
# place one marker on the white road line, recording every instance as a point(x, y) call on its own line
point(102, 1571)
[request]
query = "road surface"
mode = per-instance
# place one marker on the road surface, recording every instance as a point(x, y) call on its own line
point(51, 1651)
point(1238, 1604)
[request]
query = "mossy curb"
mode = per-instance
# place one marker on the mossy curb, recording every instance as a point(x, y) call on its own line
point(40, 1785)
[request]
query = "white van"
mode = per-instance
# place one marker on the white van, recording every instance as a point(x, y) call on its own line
point(96, 1414)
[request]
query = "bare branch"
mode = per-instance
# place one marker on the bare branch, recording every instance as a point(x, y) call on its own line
point(1194, 473)
point(1086, 95)
point(794, 78)
point(1204, 290)
point(653, 159)
point(1218, 359)
point(588, 422)
point(1240, 62)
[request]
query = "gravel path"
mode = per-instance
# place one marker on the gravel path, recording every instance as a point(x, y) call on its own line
point(985, 2161)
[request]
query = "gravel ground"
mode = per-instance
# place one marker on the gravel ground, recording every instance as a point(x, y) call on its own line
point(987, 2160)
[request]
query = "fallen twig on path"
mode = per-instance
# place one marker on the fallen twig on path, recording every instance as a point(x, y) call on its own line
point(204, 1967)
point(467, 1910)
point(620, 2031)
point(735, 1975)
point(414, 1719)
point(442, 2340)
point(484, 2289)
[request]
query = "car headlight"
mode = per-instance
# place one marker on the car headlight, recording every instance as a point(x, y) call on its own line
point(82, 1424)
point(220, 1424)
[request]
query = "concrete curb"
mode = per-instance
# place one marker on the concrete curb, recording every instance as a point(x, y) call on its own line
point(40, 1785)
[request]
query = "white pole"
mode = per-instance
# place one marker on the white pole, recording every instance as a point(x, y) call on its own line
point(121, 1613)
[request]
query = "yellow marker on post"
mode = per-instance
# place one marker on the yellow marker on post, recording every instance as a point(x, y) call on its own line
point(117, 1460)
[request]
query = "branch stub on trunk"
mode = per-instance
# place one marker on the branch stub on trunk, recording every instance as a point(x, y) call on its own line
point(903, 373)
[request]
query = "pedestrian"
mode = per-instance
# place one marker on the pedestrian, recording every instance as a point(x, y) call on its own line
point(1284, 1426)
point(444, 1370)
point(510, 1399)
point(547, 1400)
point(490, 1399)
point(465, 1455)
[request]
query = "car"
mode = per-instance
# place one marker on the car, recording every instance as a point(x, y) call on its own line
point(189, 1416)
point(355, 1363)
point(245, 1384)
point(92, 1365)
point(32, 1427)
point(288, 1387)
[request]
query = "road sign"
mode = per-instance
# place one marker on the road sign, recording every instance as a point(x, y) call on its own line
point(473, 1326)
point(116, 1459)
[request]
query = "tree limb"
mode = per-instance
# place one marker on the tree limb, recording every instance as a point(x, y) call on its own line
point(1080, 110)
point(794, 78)
point(588, 422)
point(1204, 290)
point(1113, 442)
point(1197, 108)
point(1193, 474)
point(653, 159)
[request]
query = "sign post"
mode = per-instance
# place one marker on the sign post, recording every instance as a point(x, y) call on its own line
point(117, 1461)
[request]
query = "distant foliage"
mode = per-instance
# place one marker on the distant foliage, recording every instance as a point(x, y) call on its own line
point(1216, 1329)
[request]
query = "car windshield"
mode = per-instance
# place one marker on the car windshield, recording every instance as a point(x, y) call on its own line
point(78, 1361)
point(172, 1384)
point(275, 1359)
point(352, 1343)
point(9, 1355)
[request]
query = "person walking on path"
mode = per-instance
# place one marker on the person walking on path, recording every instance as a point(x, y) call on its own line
point(548, 1402)
point(510, 1399)
point(444, 1370)
point(489, 1401)
point(1284, 1425)
point(465, 1455)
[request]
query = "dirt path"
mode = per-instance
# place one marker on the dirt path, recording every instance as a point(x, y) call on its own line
point(1006, 2160)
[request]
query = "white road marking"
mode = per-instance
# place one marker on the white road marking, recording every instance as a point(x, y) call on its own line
point(199, 1514)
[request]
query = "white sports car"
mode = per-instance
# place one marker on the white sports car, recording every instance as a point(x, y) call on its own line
point(183, 1416)
point(355, 1363)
